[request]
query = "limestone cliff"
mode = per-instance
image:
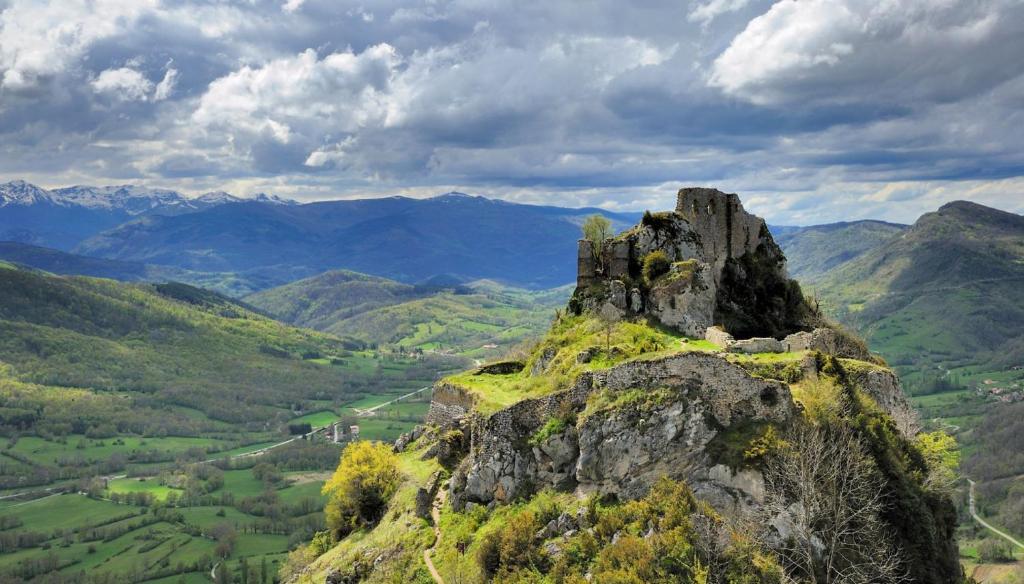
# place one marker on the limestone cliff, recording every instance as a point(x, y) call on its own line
point(621, 430)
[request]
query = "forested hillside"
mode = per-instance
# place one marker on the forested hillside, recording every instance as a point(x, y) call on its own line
point(69, 264)
point(480, 319)
point(142, 403)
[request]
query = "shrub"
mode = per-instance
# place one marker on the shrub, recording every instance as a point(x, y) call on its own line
point(512, 546)
point(992, 550)
point(656, 264)
point(362, 485)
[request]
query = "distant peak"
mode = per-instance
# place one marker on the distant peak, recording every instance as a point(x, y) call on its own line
point(273, 199)
point(977, 210)
point(456, 195)
point(962, 205)
point(217, 197)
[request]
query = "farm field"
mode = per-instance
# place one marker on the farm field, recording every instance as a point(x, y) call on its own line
point(77, 534)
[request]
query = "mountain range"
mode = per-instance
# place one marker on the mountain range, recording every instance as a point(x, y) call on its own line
point(400, 238)
point(938, 295)
point(813, 251)
point(62, 218)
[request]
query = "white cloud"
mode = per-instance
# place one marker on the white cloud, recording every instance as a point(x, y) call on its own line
point(302, 96)
point(125, 84)
point(804, 110)
point(166, 85)
point(41, 39)
point(712, 9)
point(863, 50)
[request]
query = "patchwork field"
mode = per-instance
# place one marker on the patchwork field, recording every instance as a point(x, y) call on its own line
point(76, 534)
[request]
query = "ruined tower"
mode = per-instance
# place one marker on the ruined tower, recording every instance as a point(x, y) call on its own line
point(725, 269)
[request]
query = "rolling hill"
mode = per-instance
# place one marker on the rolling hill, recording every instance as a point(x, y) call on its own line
point(945, 295)
point(69, 264)
point(127, 396)
point(480, 319)
point(812, 251)
point(152, 346)
point(404, 239)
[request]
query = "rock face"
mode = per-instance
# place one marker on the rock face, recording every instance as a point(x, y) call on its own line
point(724, 269)
point(633, 424)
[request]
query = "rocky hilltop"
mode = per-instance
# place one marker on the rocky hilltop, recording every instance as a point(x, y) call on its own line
point(711, 371)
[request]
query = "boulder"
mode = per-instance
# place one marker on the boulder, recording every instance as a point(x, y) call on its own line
point(540, 365)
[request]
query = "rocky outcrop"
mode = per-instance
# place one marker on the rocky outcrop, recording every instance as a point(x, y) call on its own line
point(725, 269)
point(621, 430)
point(884, 387)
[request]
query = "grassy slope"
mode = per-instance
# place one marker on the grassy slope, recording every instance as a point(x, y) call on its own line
point(384, 312)
point(176, 345)
point(569, 337)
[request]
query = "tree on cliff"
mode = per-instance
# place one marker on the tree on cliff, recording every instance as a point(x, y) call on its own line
point(596, 229)
point(824, 500)
point(362, 485)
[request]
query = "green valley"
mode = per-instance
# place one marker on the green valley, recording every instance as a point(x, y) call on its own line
point(481, 319)
point(130, 414)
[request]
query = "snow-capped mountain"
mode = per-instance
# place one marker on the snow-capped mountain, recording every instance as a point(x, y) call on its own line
point(216, 198)
point(272, 199)
point(19, 192)
point(132, 199)
point(64, 217)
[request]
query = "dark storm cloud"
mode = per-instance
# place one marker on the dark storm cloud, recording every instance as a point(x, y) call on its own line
point(855, 106)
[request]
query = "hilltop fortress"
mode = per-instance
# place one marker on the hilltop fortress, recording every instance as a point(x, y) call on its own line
point(723, 269)
point(686, 352)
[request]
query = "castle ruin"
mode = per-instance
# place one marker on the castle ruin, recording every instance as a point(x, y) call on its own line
point(725, 269)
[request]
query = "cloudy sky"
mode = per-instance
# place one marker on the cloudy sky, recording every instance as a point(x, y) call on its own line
point(812, 110)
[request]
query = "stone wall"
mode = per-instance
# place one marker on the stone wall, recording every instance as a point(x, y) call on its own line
point(586, 264)
point(726, 230)
point(449, 404)
point(718, 336)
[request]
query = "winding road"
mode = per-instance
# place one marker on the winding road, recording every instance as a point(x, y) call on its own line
point(986, 524)
point(369, 411)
